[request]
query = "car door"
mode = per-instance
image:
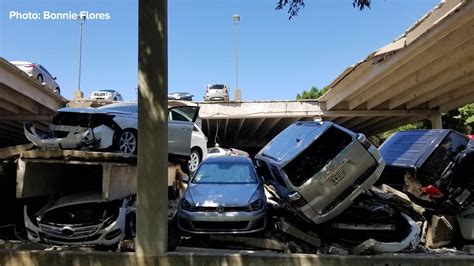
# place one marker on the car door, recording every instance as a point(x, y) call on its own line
point(47, 78)
point(180, 127)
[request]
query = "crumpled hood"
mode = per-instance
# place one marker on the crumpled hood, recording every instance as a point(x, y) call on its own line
point(212, 195)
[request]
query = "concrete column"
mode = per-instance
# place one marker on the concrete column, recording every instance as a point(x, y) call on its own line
point(436, 120)
point(152, 184)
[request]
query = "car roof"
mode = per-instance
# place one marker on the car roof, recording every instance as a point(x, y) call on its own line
point(410, 148)
point(21, 62)
point(226, 159)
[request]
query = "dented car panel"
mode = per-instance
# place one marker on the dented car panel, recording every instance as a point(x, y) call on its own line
point(79, 219)
point(320, 168)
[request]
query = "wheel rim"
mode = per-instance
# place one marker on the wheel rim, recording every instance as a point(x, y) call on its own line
point(40, 79)
point(193, 161)
point(128, 142)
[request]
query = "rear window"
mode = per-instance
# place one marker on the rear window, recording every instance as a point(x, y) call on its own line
point(317, 155)
point(446, 152)
point(216, 87)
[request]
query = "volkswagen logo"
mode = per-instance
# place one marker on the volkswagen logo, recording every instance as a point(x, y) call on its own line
point(220, 209)
point(67, 231)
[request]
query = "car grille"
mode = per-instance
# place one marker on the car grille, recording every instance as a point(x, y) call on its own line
point(209, 226)
point(69, 240)
point(226, 209)
point(78, 231)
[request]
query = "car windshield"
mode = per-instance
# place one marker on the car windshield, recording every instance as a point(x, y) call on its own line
point(225, 172)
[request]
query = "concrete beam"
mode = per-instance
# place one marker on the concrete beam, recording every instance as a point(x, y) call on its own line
point(353, 113)
point(461, 101)
point(152, 204)
point(434, 53)
point(351, 83)
point(448, 95)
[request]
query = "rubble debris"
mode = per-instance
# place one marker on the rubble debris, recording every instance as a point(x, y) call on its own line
point(337, 250)
point(414, 187)
point(373, 246)
point(309, 237)
point(254, 242)
point(440, 232)
point(402, 197)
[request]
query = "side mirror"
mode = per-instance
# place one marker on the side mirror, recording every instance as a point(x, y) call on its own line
point(54, 78)
point(185, 179)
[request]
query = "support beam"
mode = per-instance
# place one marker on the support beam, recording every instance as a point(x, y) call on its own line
point(256, 125)
point(461, 101)
point(225, 128)
point(267, 126)
point(239, 128)
point(152, 204)
point(352, 113)
point(342, 119)
point(436, 120)
point(444, 99)
point(366, 124)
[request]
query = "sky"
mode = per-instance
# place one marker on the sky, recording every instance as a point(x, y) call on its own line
point(278, 58)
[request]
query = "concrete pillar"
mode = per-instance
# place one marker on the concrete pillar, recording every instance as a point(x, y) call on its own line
point(152, 205)
point(436, 120)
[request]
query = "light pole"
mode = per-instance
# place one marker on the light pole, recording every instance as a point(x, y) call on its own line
point(236, 21)
point(79, 93)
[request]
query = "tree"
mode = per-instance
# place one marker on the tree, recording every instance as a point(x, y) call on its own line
point(295, 5)
point(314, 93)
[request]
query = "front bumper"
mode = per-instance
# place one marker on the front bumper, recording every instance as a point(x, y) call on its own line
point(83, 235)
point(221, 223)
point(100, 137)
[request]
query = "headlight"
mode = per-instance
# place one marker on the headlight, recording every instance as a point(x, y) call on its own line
point(186, 205)
point(256, 205)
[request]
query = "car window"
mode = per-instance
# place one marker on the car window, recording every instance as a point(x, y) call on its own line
point(443, 155)
point(216, 87)
point(225, 172)
point(317, 155)
point(46, 71)
point(182, 113)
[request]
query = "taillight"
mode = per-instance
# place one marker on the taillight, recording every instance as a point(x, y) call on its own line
point(432, 191)
point(297, 199)
point(364, 141)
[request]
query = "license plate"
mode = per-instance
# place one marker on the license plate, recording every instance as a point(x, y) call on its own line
point(338, 177)
point(52, 147)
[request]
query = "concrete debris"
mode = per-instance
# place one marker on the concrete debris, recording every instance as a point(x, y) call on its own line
point(309, 237)
point(337, 250)
point(413, 186)
point(402, 197)
point(254, 242)
point(440, 232)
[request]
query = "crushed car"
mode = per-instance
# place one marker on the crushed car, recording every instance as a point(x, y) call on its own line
point(81, 219)
point(224, 196)
point(113, 127)
point(433, 166)
point(319, 168)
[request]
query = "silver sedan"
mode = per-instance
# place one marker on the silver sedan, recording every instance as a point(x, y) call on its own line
point(224, 196)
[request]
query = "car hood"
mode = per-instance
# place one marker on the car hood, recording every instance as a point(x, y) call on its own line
point(212, 195)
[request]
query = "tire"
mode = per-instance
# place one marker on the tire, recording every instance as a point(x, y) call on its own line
point(130, 225)
point(57, 90)
point(40, 78)
point(194, 160)
point(127, 141)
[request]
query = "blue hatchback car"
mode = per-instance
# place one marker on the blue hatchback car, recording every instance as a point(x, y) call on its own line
point(224, 196)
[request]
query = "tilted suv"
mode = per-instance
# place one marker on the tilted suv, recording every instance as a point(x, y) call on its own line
point(319, 168)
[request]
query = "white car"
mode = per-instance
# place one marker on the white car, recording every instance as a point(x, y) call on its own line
point(39, 73)
point(198, 149)
point(110, 95)
point(81, 219)
point(218, 151)
point(113, 126)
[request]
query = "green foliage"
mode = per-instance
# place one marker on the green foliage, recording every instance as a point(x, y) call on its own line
point(314, 93)
point(295, 5)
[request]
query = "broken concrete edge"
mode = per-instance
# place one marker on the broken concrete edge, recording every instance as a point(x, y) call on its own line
point(79, 155)
point(8, 257)
point(14, 151)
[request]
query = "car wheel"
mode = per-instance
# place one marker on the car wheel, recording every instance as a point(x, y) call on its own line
point(130, 225)
point(194, 160)
point(57, 90)
point(40, 78)
point(128, 141)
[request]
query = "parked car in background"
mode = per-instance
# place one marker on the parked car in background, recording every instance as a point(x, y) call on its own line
point(198, 149)
point(436, 166)
point(39, 73)
point(183, 96)
point(216, 92)
point(218, 151)
point(225, 196)
point(113, 126)
point(81, 219)
point(109, 95)
point(319, 168)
